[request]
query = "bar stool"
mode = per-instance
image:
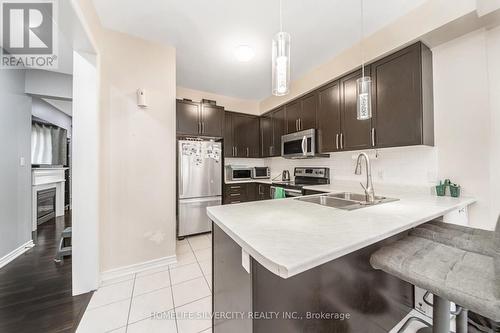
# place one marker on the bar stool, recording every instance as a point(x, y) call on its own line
point(65, 246)
point(452, 274)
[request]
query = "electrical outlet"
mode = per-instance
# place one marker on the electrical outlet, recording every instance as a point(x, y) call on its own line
point(22, 161)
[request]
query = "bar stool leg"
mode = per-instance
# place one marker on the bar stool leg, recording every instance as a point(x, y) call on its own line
point(441, 315)
point(461, 321)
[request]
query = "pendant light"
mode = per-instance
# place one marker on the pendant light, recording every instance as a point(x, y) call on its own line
point(364, 83)
point(281, 61)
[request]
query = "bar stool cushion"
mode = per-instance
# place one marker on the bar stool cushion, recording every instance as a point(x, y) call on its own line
point(465, 278)
point(465, 238)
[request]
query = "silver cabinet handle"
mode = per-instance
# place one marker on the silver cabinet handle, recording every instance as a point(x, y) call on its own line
point(300, 124)
point(341, 140)
point(304, 145)
point(235, 194)
point(337, 140)
point(270, 150)
point(260, 190)
point(248, 152)
point(296, 125)
point(199, 127)
point(202, 127)
point(373, 137)
point(236, 151)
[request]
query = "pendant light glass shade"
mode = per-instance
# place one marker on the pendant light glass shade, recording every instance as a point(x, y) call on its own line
point(364, 93)
point(281, 64)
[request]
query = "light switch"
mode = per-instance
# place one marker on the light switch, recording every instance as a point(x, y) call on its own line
point(22, 161)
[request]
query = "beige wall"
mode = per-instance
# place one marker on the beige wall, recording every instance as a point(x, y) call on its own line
point(229, 103)
point(137, 220)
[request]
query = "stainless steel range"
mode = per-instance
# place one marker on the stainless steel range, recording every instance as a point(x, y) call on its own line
point(304, 176)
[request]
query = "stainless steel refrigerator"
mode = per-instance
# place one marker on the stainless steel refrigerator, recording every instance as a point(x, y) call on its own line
point(199, 184)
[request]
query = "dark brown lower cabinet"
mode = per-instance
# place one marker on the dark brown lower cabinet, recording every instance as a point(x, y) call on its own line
point(245, 192)
point(348, 286)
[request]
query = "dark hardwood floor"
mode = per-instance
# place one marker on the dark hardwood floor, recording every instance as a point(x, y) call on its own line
point(35, 292)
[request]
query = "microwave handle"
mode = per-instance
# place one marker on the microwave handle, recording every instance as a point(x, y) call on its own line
point(304, 145)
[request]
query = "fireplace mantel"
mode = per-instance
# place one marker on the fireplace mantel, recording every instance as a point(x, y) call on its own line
point(43, 179)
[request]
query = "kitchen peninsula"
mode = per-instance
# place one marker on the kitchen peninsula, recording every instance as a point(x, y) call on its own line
point(295, 257)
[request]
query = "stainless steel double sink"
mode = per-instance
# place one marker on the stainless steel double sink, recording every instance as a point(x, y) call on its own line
point(345, 200)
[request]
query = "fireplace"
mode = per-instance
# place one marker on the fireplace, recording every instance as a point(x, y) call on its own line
point(46, 205)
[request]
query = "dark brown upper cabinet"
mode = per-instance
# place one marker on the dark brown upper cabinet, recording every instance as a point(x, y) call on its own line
point(241, 135)
point(266, 135)
point(199, 118)
point(272, 127)
point(278, 130)
point(212, 118)
point(301, 113)
point(355, 134)
point(329, 126)
point(402, 98)
point(188, 117)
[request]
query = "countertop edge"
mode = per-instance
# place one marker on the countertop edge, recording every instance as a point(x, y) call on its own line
point(285, 272)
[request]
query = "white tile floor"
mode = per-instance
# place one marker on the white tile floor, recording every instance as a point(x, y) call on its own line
point(125, 305)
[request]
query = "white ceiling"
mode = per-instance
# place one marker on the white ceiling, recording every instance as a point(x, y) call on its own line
point(205, 34)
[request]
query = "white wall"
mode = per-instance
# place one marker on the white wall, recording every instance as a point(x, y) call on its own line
point(50, 84)
point(15, 179)
point(493, 54)
point(464, 122)
point(85, 174)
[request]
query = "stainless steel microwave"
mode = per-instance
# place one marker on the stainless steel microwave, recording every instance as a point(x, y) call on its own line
point(234, 173)
point(261, 172)
point(300, 145)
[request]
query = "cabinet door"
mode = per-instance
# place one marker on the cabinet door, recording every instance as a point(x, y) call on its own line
point(309, 106)
point(329, 118)
point(263, 191)
point(266, 135)
point(240, 128)
point(252, 137)
point(278, 130)
point(228, 135)
point(397, 96)
point(356, 134)
point(292, 115)
point(212, 117)
point(251, 189)
point(188, 117)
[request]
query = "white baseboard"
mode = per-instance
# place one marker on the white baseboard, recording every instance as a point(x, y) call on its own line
point(136, 268)
point(16, 253)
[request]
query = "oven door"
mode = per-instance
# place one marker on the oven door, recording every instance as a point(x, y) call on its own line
point(289, 193)
point(298, 145)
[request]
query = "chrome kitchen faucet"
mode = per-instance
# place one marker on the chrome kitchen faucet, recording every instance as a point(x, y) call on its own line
point(369, 191)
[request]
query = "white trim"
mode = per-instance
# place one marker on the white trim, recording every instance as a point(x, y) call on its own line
point(136, 268)
point(16, 253)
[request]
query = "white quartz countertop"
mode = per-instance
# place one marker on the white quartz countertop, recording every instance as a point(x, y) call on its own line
point(289, 236)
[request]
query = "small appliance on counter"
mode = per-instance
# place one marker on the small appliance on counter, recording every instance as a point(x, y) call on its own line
point(303, 177)
point(261, 173)
point(238, 172)
point(285, 176)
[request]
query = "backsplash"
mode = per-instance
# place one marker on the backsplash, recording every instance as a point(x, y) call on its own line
point(403, 165)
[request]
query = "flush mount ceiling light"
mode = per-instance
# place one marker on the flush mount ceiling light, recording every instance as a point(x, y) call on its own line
point(281, 61)
point(244, 53)
point(364, 83)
